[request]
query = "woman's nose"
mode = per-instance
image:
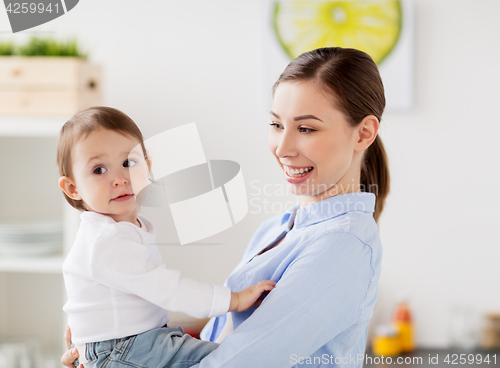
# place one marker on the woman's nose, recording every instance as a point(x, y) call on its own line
point(286, 146)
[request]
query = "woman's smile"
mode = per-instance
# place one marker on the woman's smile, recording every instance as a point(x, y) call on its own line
point(297, 171)
point(297, 174)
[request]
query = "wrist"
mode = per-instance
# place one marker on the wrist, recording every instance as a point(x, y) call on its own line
point(234, 303)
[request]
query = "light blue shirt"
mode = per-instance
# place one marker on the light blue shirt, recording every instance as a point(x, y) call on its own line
point(327, 270)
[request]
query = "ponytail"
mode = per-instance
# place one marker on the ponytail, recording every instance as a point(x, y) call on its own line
point(375, 176)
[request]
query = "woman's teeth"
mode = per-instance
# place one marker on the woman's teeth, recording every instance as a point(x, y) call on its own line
point(298, 172)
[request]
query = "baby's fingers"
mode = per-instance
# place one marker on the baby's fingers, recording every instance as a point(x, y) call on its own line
point(266, 285)
point(67, 337)
point(69, 357)
point(257, 303)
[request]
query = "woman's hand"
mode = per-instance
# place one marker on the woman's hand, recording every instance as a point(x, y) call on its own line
point(251, 296)
point(72, 353)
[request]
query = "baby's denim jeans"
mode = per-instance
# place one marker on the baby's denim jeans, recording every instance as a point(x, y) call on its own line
point(160, 347)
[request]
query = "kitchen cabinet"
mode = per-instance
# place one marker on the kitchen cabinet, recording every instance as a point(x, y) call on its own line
point(31, 287)
point(38, 95)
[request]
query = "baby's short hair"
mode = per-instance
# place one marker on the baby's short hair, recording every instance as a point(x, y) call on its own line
point(80, 126)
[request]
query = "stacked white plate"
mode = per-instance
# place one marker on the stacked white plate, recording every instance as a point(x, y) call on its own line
point(30, 239)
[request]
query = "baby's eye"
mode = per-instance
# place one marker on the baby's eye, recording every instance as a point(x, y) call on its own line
point(100, 170)
point(129, 163)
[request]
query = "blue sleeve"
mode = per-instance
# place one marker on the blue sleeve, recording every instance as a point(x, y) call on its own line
point(320, 294)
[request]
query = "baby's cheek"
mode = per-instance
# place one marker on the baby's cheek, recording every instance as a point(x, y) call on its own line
point(139, 179)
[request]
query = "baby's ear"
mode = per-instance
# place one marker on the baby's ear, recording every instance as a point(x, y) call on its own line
point(68, 186)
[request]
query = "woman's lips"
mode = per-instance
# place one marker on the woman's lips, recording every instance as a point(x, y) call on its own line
point(122, 198)
point(297, 180)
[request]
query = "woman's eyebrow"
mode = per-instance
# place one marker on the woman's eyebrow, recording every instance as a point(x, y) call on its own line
point(306, 117)
point(298, 118)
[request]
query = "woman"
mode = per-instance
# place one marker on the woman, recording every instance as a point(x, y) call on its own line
point(324, 253)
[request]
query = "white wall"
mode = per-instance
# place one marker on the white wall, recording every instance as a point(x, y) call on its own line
point(173, 62)
point(439, 228)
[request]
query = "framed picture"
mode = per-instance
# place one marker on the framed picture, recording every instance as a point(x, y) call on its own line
point(381, 28)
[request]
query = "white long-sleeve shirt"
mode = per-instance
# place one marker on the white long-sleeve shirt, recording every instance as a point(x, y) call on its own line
point(117, 285)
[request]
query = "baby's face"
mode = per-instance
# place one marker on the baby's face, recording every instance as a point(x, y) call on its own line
point(103, 164)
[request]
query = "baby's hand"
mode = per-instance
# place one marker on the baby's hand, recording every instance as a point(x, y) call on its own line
point(71, 354)
point(250, 297)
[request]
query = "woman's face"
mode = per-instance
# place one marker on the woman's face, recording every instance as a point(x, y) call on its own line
point(312, 142)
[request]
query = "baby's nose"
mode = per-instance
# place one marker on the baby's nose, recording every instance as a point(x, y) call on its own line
point(120, 179)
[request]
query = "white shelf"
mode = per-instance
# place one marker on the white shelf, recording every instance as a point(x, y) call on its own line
point(32, 265)
point(28, 126)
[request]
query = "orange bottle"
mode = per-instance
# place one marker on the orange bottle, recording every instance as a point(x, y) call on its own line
point(404, 324)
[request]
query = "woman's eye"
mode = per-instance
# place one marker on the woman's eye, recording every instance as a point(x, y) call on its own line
point(100, 170)
point(306, 130)
point(129, 163)
point(275, 125)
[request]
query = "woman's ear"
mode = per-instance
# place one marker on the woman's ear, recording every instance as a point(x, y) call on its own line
point(367, 131)
point(68, 186)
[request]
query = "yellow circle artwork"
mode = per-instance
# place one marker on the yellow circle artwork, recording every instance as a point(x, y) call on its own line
point(372, 26)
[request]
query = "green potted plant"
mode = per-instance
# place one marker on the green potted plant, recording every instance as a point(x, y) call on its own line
point(47, 77)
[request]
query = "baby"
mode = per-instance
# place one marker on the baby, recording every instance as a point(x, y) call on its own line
point(119, 291)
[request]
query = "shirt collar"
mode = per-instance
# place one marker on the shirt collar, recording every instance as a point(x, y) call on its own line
point(147, 226)
point(328, 208)
point(97, 216)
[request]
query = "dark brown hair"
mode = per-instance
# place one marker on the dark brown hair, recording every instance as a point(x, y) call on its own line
point(80, 126)
point(352, 77)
